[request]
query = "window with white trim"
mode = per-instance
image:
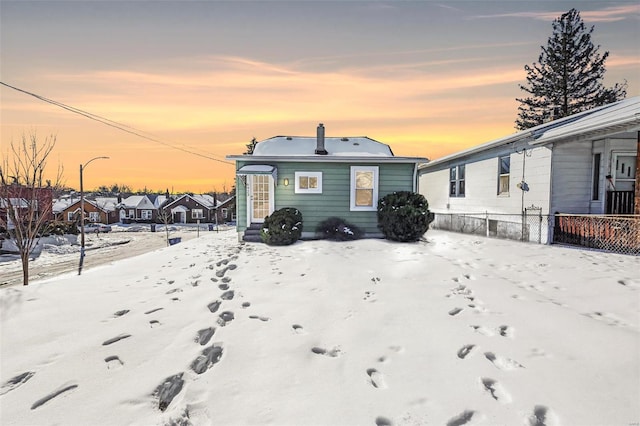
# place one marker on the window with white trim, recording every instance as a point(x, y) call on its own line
point(504, 170)
point(94, 217)
point(308, 183)
point(146, 214)
point(456, 181)
point(196, 214)
point(625, 171)
point(364, 188)
point(70, 216)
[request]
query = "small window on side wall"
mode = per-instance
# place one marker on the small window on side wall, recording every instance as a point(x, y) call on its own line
point(364, 188)
point(504, 170)
point(308, 182)
point(456, 181)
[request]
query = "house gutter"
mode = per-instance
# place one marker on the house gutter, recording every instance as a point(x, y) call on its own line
point(500, 142)
point(628, 124)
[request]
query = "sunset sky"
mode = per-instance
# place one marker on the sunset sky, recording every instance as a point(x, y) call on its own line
point(427, 77)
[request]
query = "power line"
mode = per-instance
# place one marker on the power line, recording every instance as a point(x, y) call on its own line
point(115, 124)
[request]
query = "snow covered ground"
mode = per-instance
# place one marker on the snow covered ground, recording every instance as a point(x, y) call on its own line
point(58, 254)
point(457, 330)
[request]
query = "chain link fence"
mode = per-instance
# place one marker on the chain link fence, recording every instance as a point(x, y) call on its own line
point(530, 226)
point(619, 234)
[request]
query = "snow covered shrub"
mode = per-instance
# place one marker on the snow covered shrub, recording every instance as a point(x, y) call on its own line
point(338, 229)
point(282, 227)
point(404, 216)
point(59, 228)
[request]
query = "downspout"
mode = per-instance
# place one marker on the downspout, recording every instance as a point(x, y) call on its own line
point(592, 175)
point(551, 223)
point(522, 191)
point(636, 202)
point(415, 177)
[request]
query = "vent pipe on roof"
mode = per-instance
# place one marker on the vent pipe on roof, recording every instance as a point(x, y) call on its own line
point(320, 141)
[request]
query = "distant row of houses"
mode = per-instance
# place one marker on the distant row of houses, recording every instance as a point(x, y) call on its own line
point(150, 208)
point(584, 165)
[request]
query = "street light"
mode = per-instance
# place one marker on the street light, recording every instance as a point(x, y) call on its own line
point(82, 212)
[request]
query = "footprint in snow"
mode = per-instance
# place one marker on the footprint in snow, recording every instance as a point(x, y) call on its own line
point(206, 359)
point(168, 389)
point(333, 353)
point(541, 416)
point(54, 394)
point(376, 378)
point(214, 306)
point(383, 421)
point(115, 339)
point(455, 311)
point(205, 335)
point(462, 418)
point(506, 331)
point(465, 351)
point(225, 317)
point(297, 328)
point(263, 319)
point(482, 330)
point(113, 362)
point(16, 382)
point(502, 363)
point(227, 295)
point(495, 389)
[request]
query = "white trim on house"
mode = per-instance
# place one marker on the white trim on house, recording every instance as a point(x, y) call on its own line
point(308, 182)
point(364, 188)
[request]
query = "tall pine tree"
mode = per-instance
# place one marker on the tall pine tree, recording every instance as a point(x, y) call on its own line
point(567, 78)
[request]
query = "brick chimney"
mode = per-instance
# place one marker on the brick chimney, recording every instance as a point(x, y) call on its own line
point(320, 141)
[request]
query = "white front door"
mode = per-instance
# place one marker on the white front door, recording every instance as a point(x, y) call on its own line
point(260, 198)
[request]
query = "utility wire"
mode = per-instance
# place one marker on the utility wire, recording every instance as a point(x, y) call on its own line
point(115, 124)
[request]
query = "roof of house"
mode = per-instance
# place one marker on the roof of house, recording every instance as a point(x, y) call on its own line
point(204, 200)
point(339, 149)
point(618, 117)
point(106, 203)
point(61, 204)
point(133, 201)
point(305, 145)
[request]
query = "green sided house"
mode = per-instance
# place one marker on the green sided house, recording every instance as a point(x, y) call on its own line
point(320, 176)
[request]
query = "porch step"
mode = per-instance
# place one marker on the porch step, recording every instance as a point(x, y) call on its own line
point(252, 233)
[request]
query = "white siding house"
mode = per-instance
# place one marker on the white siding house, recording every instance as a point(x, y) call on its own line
point(571, 165)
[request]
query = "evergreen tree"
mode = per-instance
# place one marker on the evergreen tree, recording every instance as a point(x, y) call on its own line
point(251, 146)
point(567, 78)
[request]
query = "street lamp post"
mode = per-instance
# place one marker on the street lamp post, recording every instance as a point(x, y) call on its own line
point(82, 212)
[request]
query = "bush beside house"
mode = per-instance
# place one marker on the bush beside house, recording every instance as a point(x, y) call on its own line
point(404, 216)
point(283, 227)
